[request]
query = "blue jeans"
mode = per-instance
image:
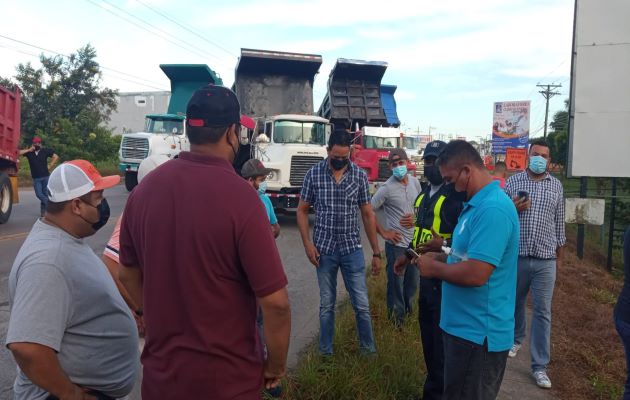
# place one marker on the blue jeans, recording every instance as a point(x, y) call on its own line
point(540, 276)
point(41, 191)
point(353, 273)
point(623, 329)
point(400, 289)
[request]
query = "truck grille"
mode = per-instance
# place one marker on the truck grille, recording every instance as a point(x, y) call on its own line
point(384, 172)
point(300, 166)
point(135, 148)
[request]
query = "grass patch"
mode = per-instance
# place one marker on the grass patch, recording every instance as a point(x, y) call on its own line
point(604, 296)
point(396, 372)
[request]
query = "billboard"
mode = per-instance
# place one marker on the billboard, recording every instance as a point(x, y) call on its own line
point(600, 89)
point(510, 125)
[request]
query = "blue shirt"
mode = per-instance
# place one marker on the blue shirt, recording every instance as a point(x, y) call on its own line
point(336, 206)
point(269, 207)
point(488, 231)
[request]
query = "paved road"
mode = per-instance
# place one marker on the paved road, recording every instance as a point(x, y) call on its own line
point(303, 290)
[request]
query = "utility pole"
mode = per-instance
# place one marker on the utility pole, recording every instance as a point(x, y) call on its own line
point(548, 93)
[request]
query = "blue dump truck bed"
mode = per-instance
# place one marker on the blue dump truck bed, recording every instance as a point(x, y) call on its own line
point(389, 105)
point(185, 79)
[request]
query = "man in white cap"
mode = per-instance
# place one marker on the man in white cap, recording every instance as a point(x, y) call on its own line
point(70, 331)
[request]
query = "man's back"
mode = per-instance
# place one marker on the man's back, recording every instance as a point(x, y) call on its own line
point(202, 239)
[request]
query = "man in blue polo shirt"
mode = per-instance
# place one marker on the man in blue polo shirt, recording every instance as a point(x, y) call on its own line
point(479, 279)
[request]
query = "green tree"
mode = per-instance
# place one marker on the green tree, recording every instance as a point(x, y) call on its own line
point(64, 104)
point(558, 138)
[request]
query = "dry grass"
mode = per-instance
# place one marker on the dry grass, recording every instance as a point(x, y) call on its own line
point(587, 356)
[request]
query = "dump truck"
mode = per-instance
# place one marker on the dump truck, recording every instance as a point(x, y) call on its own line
point(10, 107)
point(165, 133)
point(276, 89)
point(356, 100)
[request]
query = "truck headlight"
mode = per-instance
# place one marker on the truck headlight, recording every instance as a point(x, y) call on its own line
point(273, 176)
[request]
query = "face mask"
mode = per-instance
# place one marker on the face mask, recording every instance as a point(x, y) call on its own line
point(433, 175)
point(262, 187)
point(238, 146)
point(400, 172)
point(103, 214)
point(465, 191)
point(337, 164)
point(37, 147)
point(537, 164)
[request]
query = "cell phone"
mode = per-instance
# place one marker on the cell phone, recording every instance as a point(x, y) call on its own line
point(523, 195)
point(411, 254)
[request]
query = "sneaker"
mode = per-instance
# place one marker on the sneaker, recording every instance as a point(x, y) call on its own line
point(542, 380)
point(514, 350)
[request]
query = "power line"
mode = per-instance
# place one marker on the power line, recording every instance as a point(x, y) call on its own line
point(547, 94)
point(144, 28)
point(66, 56)
point(155, 10)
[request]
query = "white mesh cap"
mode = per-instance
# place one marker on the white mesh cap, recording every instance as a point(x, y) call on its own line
point(149, 164)
point(74, 179)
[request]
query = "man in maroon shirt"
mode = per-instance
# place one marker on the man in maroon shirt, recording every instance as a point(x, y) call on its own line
point(200, 255)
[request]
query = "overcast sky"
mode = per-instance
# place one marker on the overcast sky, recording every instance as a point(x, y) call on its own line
point(451, 59)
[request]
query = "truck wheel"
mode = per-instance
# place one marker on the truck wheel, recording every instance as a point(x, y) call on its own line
point(131, 180)
point(6, 198)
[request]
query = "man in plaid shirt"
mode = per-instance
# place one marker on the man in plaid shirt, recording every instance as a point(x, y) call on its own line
point(539, 200)
point(338, 189)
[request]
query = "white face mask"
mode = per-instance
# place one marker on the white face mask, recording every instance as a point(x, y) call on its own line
point(262, 187)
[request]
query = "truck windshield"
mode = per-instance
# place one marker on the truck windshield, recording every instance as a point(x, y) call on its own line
point(299, 132)
point(409, 143)
point(375, 142)
point(169, 126)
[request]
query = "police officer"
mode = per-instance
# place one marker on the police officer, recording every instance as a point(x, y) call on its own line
point(437, 209)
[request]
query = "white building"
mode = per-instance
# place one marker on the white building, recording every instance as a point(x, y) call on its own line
point(133, 106)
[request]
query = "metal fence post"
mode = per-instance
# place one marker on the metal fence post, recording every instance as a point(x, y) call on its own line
point(611, 232)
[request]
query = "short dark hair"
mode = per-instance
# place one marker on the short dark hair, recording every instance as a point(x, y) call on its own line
point(339, 137)
point(459, 152)
point(538, 142)
point(500, 164)
point(57, 208)
point(205, 135)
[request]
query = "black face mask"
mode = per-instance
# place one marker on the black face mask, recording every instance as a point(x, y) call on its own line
point(103, 214)
point(37, 147)
point(433, 175)
point(338, 164)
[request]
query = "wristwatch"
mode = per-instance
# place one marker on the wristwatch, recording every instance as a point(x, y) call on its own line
point(378, 255)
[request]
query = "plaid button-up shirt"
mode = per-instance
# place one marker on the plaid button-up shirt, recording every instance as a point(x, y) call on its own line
point(542, 225)
point(336, 206)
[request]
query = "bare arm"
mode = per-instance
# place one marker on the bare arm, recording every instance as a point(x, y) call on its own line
point(41, 366)
point(369, 223)
point(53, 162)
point(275, 228)
point(469, 273)
point(277, 316)
point(22, 152)
point(302, 219)
point(131, 279)
point(114, 269)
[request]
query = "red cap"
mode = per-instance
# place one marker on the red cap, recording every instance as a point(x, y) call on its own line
point(37, 139)
point(75, 178)
point(247, 122)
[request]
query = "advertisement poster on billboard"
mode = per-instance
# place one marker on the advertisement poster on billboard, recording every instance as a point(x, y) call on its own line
point(510, 126)
point(516, 159)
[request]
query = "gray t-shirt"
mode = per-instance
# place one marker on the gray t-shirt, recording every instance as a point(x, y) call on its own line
point(62, 296)
point(397, 200)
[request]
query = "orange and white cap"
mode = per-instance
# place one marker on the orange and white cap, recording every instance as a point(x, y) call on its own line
point(75, 178)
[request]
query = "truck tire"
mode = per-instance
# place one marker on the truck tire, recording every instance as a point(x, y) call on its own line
point(6, 198)
point(131, 180)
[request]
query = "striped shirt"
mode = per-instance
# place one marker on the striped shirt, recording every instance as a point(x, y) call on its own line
point(336, 206)
point(542, 225)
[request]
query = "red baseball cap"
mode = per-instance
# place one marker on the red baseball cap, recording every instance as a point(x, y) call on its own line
point(248, 122)
point(75, 178)
point(37, 139)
